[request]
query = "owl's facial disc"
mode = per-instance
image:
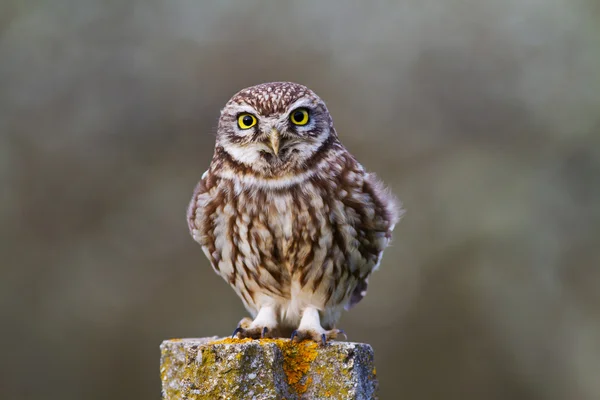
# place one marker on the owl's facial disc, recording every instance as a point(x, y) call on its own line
point(273, 138)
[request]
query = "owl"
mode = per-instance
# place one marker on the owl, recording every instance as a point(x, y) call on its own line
point(287, 216)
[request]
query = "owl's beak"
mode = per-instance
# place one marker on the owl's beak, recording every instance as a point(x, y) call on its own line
point(275, 138)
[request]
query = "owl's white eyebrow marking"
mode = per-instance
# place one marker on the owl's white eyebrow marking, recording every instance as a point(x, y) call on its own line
point(301, 103)
point(239, 108)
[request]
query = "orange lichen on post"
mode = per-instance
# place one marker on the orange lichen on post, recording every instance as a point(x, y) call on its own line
point(230, 340)
point(297, 358)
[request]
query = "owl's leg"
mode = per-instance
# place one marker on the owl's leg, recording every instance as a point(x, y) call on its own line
point(264, 325)
point(310, 328)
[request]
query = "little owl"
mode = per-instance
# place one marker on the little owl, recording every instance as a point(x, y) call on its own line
point(287, 215)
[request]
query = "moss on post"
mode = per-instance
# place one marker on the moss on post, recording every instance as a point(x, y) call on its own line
point(212, 368)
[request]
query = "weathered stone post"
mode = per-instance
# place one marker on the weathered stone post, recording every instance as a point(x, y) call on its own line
point(213, 368)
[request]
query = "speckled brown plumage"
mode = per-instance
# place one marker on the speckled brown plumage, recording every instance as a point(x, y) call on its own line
point(287, 216)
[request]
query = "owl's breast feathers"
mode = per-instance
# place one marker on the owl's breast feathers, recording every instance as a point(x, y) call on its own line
point(326, 233)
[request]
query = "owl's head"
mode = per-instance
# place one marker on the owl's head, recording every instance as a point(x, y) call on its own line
point(274, 128)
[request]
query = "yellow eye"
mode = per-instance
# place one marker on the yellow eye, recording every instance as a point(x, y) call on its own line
point(299, 117)
point(246, 121)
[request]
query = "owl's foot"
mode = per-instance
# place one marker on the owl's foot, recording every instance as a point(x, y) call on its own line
point(310, 328)
point(263, 326)
point(246, 330)
point(320, 335)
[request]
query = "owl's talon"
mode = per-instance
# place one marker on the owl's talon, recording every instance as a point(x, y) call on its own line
point(264, 332)
point(324, 339)
point(236, 331)
point(294, 334)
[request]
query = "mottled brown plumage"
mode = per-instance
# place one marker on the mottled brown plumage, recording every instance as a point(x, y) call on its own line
point(287, 216)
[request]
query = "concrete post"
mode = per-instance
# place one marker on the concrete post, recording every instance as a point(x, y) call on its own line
point(213, 368)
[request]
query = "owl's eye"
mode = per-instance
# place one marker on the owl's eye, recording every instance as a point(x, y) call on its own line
point(246, 121)
point(299, 117)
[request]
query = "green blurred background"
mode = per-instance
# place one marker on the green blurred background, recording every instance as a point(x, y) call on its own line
point(482, 116)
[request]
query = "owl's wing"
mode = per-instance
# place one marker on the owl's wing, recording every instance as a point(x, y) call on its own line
point(377, 231)
point(193, 208)
point(197, 214)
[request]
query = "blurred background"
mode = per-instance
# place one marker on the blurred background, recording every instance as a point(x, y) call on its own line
point(482, 116)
